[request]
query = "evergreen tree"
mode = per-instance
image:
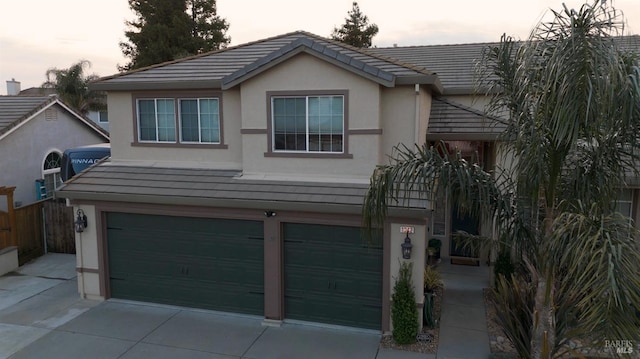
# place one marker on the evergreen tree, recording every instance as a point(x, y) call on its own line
point(208, 29)
point(166, 30)
point(71, 85)
point(356, 30)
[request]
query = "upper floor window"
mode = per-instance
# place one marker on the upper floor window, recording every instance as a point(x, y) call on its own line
point(308, 123)
point(157, 120)
point(190, 119)
point(199, 120)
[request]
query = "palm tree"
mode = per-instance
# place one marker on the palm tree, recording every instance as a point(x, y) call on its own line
point(570, 98)
point(73, 87)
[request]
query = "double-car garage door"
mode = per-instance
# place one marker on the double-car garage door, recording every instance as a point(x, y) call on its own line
point(330, 274)
point(197, 262)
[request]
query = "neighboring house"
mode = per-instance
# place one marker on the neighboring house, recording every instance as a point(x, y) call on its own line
point(101, 118)
point(34, 132)
point(237, 177)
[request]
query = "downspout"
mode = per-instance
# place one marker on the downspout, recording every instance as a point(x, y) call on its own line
point(416, 131)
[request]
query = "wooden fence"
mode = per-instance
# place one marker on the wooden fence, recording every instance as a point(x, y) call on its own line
point(5, 230)
point(30, 231)
point(59, 227)
point(50, 219)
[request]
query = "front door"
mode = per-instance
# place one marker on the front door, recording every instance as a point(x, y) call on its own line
point(462, 222)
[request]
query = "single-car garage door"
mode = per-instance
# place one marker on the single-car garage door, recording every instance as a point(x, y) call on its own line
point(196, 262)
point(332, 275)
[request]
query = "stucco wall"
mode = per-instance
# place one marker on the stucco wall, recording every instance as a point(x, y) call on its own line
point(307, 73)
point(399, 123)
point(418, 240)
point(25, 150)
point(122, 123)
point(87, 255)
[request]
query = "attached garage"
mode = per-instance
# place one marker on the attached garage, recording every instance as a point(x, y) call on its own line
point(197, 262)
point(332, 275)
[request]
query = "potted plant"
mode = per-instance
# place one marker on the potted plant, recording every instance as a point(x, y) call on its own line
point(433, 250)
point(432, 281)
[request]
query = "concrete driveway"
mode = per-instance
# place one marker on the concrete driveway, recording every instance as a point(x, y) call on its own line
point(42, 316)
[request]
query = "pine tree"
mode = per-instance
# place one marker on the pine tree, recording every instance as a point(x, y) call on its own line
point(356, 30)
point(208, 29)
point(166, 30)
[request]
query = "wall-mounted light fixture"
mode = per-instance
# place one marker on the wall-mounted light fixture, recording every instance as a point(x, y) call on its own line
point(269, 214)
point(81, 221)
point(406, 247)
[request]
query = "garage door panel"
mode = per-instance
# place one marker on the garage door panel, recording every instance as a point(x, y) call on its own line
point(198, 262)
point(332, 275)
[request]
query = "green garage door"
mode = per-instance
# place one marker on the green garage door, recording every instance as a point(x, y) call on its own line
point(197, 262)
point(332, 276)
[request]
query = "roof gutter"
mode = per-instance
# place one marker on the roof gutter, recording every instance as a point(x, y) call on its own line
point(153, 85)
point(233, 203)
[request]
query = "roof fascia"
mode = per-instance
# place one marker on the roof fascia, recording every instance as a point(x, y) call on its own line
point(152, 85)
point(230, 203)
point(432, 80)
point(462, 136)
point(18, 123)
point(303, 48)
point(88, 123)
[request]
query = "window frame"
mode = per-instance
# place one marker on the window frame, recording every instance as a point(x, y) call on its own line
point(272, 152)
point(53, 172)
point(180, 129)
point(177, 96)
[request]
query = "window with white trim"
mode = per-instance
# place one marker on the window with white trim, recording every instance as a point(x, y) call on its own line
point(184, 120)
point(308, 124)
point(51, 173)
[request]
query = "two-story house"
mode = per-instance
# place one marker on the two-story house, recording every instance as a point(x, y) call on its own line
point(237, 177)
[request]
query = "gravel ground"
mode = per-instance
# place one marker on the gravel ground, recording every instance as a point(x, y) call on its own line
point(427, 340)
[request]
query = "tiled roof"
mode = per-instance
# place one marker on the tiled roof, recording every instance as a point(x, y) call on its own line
point(213, 69)
point(15, 109)
point(456, 65)
point(453, 64)
point(455, 121)
point(205, 187)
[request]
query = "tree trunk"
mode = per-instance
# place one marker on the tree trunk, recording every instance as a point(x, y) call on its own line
point(544, 325)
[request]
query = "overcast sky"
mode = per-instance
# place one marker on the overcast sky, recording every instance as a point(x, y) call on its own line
point(36, 35)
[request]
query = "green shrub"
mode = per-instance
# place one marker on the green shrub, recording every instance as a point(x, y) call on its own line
point(404, 313)
point(432, 279)
point(504, 267)
point(513, 299)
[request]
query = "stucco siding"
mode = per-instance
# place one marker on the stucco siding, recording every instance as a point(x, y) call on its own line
point(26, 149)
point(425, 111)
point(398, 112)
point(307, 73)
point(123, 125)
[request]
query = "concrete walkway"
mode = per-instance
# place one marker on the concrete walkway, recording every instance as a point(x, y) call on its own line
point(463, 323)
point(42, 316)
